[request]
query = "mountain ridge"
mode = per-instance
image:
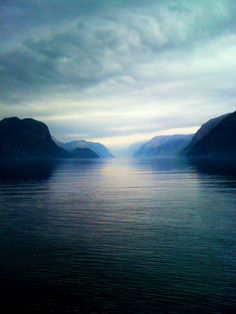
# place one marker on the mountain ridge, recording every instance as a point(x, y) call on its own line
point(203, 131)
point(220, 142)
point(30, 138)
point(101, 150)
point(164, 146)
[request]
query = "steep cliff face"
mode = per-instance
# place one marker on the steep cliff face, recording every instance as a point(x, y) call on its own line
point(27, 138)
point(219, 142)
point(203, 131)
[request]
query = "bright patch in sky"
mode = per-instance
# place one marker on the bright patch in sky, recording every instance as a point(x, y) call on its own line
point(118, 72)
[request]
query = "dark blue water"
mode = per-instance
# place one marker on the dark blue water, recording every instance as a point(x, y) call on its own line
point(117, 236)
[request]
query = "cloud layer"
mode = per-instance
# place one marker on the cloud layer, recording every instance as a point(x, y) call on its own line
point(118, 71)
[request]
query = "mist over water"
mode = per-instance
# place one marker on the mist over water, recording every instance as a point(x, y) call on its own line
point(123, 236)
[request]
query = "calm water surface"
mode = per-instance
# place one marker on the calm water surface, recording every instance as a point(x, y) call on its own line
point(117, 236)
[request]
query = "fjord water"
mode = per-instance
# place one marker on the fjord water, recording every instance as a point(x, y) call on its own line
point(123, 236)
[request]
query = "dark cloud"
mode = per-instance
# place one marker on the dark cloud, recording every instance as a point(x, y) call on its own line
point(66, 58)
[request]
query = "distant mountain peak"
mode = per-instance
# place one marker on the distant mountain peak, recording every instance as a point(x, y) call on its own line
point(164, 146)
point(98, 148)
point(29, 138)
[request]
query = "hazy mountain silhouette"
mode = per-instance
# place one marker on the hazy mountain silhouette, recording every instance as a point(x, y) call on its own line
point(98, 148)
point(133, 148)
point(29, 138)
point(164, 146)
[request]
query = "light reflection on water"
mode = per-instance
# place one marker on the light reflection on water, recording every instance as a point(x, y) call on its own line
point(124, 236)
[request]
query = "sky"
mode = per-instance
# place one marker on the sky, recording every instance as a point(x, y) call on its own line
point(117, 72)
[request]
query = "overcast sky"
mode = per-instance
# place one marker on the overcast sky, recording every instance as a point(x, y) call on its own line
point(118, 72)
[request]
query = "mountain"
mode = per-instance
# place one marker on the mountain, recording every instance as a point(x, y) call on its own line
point(219, 142)
point(83, 153)
point(203, 131)
point(97, 148)
point(164, 146)
point(27, 138)
point(133, 148)
point(127, 151)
